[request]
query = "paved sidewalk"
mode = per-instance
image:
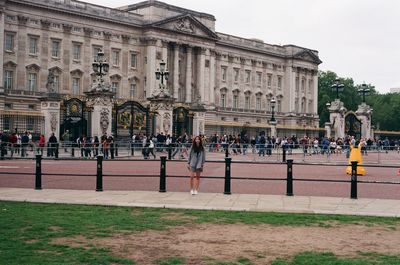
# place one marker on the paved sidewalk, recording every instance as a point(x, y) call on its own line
point(208, 201)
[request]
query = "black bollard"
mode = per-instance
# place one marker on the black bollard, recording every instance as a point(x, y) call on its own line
point(226, 151)
point(289, 179)
point(2, 152)
point(227, 188)
point(38, 179)
point(73, 151)
point(56, 151)
point(133, 149)
point(163, 169)
point(99, 175)
point(112, 150)
point(353, 192)
point(116, 149)
point(169, 152)
point(283, 154)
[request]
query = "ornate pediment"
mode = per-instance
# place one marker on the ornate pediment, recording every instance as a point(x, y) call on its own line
point(307, 55)
point(186, 24)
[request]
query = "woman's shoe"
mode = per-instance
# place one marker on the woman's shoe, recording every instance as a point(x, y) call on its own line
point(192, 192)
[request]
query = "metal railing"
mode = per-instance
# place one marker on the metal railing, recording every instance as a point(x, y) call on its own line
point(290, 179)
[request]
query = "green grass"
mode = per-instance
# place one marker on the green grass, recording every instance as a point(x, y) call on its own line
point(314, 258)
point(27, 231)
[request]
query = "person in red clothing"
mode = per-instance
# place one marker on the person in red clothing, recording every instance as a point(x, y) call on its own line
point(12, 139)
point(42, 142)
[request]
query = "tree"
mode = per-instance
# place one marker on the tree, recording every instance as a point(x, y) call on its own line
point(386, 107)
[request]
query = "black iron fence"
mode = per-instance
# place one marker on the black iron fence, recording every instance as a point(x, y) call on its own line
point(162, 175)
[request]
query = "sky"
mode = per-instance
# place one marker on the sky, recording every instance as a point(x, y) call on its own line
point(357, 39)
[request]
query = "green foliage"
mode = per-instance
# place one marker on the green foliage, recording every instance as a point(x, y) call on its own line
point(171, 261)
point(386, 114)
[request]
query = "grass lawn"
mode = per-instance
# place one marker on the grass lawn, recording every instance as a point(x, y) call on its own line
point(28, 229)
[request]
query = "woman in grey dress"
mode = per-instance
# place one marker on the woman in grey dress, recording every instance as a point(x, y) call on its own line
point(197, 157)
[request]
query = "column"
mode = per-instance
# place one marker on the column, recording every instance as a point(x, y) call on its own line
point(66, 43)
point(290, 82)
point(44, 52)
point(1, 47)
point(151, 66)
point(21, 53)
point(200, 72)
point(315, 92)
point(212, 77)
point(176, 72)
point(87, 60)
point(188, 74)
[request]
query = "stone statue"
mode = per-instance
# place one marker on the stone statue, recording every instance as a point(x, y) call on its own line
point(50, 82)
point(167, 122)
point(104, 120)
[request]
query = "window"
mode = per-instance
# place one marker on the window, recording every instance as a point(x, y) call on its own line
point(269, 81)
point(32, 81)
point(29, 123)
point(310, 86)
point(9, 42)
point(223, 73)
point(76, 29)
point(114, 88)
point(258, 103)
point(279, 82)
point(235, 101)
point(248, 73)
point(134, 61)
point(96, 50)
point(259, 76)
point(33, 45)
point(31, 107)
point(303, 83)
point(56, 83)
point(297, 84)
point(55, 48)
point(8, 106)
point(8, 79)
point(236, 119)
point(247, 102)
point(279, 105)
point(296, 105)
point(7, 123)
point(132, 91)
point(236, 74)
point(310, 106)
point(223, 100)
point(76, 85)
point(76, 50)
point(115, 58)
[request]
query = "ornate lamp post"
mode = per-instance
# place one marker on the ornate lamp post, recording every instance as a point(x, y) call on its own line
point(363, 91)
point(273, 103)
point(162, 74)
point(338, 87)
point(100, 66)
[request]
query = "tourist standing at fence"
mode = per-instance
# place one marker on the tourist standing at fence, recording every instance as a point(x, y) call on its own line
point(42, 143)
point(196, 160)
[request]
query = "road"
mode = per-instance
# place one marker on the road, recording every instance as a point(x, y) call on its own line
point(213, 173)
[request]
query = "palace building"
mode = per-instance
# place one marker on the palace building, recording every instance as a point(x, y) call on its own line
point(233, 83)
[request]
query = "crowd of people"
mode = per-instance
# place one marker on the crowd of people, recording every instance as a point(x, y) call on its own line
point(179, 146)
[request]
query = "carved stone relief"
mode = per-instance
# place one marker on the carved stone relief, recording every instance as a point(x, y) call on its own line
point(53, 121)
point(104, 120)
point(185, 25)
point(167, 122)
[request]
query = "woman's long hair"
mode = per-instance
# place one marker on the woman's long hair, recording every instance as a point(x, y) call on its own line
point(195, 147)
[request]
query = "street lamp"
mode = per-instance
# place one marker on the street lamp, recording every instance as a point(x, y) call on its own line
point(363, 91)
point(338, 87)
point(162, 73)
point(100, 66)
point(273, 103)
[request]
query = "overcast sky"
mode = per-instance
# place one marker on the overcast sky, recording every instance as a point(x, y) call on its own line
point(355, 38)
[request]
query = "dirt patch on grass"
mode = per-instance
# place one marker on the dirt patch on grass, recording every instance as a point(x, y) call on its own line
point(198, 244)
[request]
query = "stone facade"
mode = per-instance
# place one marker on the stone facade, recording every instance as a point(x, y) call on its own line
point(233, 78)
